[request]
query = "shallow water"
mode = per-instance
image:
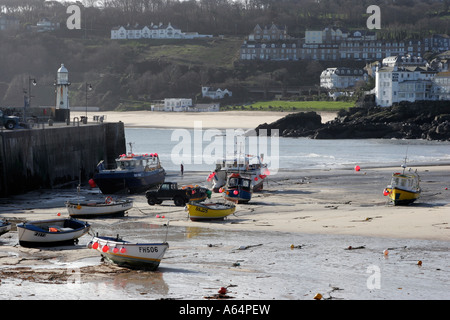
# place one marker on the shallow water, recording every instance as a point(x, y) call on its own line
point(198, 151)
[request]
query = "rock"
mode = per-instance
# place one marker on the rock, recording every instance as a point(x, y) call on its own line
point(294, 124)
point(419, 120)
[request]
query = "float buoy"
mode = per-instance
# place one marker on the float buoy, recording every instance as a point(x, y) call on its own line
point(318, 296)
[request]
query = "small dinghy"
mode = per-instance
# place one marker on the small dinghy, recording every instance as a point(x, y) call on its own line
point(145, 256)
point(5, 227)
point(93, 208)
point(52, 232)
point(210, 211)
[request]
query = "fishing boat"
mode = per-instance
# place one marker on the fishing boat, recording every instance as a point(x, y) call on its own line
point(210, 210)
point(404, 188)
point(5, 227)
point(133, 174)
point(145, 256)
point(96, 208)
point(249, 165)
point(238, 188)
point(51, 232)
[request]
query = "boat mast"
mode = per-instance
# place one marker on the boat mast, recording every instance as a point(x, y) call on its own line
point(406, 158)
point(131, 147)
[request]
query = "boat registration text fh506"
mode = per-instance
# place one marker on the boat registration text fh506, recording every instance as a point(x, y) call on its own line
point(148, 249)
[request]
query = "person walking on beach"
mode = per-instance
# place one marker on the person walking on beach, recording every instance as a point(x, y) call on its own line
point(182, 169)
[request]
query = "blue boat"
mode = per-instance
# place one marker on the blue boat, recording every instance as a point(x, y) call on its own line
point(238, 188)
point(133, 174)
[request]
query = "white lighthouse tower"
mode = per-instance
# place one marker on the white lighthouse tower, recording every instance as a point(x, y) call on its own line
point(62, 84)
point(62, 88)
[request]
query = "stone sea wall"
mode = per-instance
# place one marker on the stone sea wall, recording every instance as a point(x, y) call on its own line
point(54, 156)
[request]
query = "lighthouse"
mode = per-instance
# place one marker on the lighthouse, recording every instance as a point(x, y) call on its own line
point(62, 94)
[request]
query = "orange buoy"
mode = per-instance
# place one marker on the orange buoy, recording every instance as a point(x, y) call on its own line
point(318, 296)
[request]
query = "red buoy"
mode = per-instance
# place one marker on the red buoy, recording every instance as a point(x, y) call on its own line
point(92, 183)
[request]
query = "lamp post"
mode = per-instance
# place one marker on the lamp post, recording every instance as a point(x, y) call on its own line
point(31, 81)
point(88, 88)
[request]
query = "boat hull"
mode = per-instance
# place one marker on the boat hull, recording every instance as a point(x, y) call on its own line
point(5, 227)
point(212, 211)
point(402, 197)
point(145, 256)
point(39, 233)
point(242, 196)
point(219, 179)
point(97, 209)
point(116, 181)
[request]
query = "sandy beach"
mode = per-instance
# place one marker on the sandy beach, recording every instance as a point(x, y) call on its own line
point(186, 120)
point(295, 237)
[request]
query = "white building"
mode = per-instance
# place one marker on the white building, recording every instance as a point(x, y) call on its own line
point(45, 25)
point(213, 93)
point(154, 31)
point(342, 78)
point(118, 33)
point(205, 107)
point(335, 35)
point(398, 81)
point(441, 86)
point(177, 104)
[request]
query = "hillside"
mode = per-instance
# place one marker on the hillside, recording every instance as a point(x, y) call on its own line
point(137, 72)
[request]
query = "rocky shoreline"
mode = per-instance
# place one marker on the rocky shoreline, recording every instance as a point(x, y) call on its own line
point(428, 120)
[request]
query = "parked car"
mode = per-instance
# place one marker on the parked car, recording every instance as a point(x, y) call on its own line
point(180, 196)
point(10, 122)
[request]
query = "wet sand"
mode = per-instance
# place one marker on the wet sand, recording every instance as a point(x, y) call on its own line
point(290, 242)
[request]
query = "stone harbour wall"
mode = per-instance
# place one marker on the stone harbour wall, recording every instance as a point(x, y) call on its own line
point(50, 157)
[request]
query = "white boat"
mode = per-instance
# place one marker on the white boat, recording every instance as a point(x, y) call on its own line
point(248, 165)
point(94, 208)
point(5, 227)
point(145, 256)
point(51, 232)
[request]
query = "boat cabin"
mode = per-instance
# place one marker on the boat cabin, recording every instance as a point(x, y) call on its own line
point(237, 181)
point(140, 162)
point(405, 181)
point(242, 163)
